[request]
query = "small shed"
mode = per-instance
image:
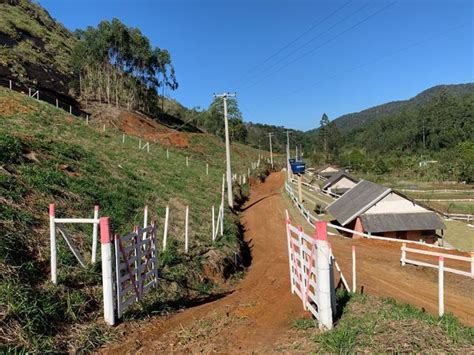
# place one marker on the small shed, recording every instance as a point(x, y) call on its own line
point(339, 183)
point(375, 209)
point(326, 171)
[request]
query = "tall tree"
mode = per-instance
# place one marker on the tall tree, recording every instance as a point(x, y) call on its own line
point(323, 132)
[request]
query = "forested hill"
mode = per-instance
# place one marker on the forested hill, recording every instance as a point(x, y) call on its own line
point(351, 121)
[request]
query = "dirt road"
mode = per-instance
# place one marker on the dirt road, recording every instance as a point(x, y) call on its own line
point(257, 314)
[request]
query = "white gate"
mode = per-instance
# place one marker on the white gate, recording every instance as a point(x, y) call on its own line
point(136, 265)
point(311, 275)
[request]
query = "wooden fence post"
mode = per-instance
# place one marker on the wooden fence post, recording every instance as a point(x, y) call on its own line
point(165, 232)
point(95, 229)
point(52, 234)
point(323, 257)
point(186, 232)
point(441, 285)
point(107, 278)
point(354, 283)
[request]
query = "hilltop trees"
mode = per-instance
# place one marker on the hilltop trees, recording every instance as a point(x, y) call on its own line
point(117, 65)
point(212, 120)
point(330, 138)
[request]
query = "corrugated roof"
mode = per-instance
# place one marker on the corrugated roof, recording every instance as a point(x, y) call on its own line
point(356, 201)
point(392, 222)
point(336, 177)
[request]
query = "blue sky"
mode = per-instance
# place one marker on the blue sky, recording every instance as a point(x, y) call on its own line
point(343, 56)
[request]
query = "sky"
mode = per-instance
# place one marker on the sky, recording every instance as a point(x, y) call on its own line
point(290, 61)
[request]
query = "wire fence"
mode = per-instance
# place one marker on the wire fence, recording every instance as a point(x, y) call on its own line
point(45, 95)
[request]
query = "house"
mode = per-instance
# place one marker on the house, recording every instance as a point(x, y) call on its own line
point(326, 171)
point(339, 183)
point(375, 209)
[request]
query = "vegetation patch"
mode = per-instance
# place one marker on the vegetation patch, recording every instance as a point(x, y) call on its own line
point(381, 325)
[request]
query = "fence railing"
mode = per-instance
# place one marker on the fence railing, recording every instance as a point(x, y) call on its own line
point(310, 266)
point(45, 95)
point(404, 260)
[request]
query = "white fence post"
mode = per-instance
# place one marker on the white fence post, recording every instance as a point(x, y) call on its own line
point(95, 229)
point(145, 220)
point(70, 109)
point(186, 231)
point(207, 168)
point(222, 219)
point(290, 261)
point(472, 263)
point(29, 91)
point(167, 153)
point(404, 254)
point(323, 276)
point(354, 283)
point(165, 232)
point(441, 285)
point(52, 234)
point(213, 225)
point(57, 103)
point(123, 137)
point(107, 277)
point(187, 161)
point(10, 84)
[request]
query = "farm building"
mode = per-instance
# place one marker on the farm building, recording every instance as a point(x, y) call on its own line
point(375, 209)
point(326, 171)
point(339, 183)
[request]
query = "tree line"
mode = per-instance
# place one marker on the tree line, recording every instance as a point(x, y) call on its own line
point(434, 141)
point(117, 65)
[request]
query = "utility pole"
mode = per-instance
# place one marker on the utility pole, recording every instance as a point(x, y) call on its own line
point(270, 135)
point(288, 166)
point(230, 198)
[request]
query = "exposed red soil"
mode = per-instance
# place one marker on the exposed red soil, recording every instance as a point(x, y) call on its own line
point(260, 310)
point(259, 313)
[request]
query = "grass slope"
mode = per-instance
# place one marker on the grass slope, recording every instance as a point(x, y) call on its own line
point(370, 324)
point(47, 155)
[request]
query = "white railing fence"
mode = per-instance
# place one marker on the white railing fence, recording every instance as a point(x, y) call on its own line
point(468, 259)
point(311, 265)
point(57, 224)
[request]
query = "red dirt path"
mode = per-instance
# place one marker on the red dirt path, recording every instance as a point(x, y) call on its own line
point(258, 315)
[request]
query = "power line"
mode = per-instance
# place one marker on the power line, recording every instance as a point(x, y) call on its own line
point(312, 39)
point(374, 60)
point(365, 19)
point(289, 44)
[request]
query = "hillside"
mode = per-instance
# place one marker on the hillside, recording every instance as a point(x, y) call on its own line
point(49, 156)
point(351, 121)
point(34, 48)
